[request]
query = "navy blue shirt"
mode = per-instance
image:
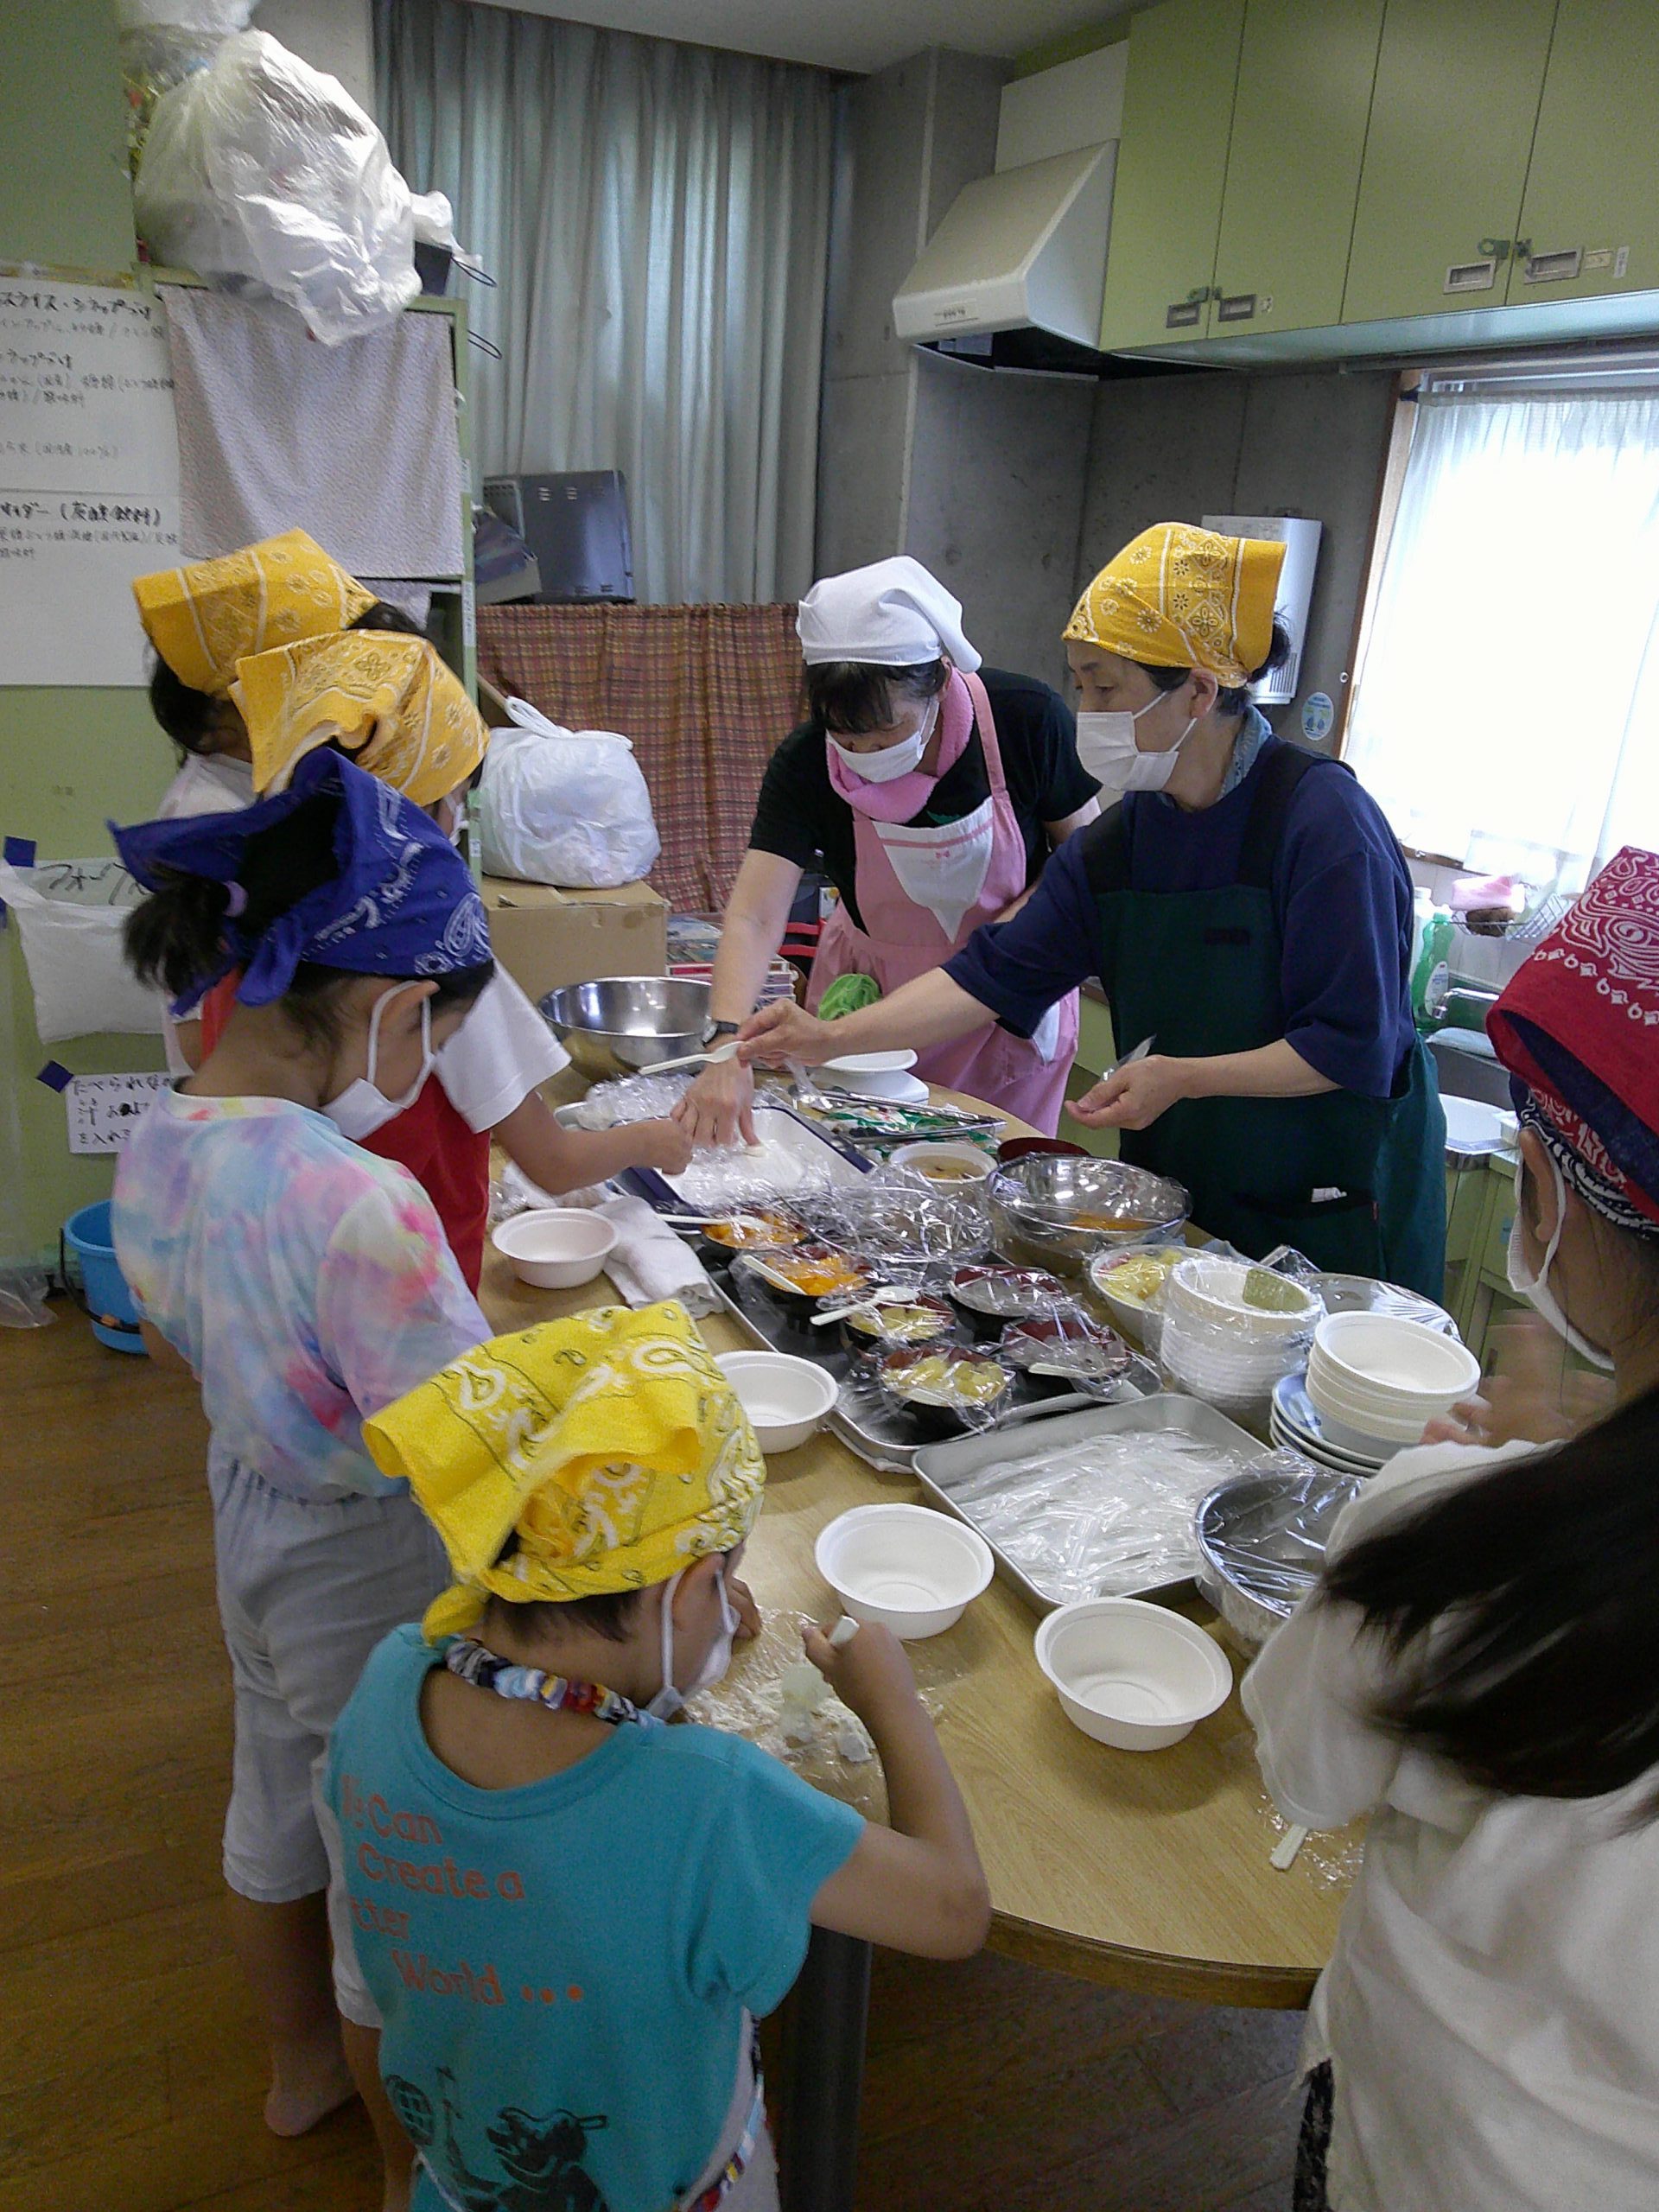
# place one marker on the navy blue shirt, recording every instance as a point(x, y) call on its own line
point(1342, 899)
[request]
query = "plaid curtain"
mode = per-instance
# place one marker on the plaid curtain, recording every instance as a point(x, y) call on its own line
point(706, 693)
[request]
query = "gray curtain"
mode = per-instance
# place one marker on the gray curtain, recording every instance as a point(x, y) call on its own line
point(657, 218)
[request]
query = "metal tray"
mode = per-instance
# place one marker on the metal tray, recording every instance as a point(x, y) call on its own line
point(938, 1467)
point(863, 1419)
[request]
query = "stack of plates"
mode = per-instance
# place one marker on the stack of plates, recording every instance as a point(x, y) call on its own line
point(875, 1075)
point(1376, 1380)
point(1295, 1425)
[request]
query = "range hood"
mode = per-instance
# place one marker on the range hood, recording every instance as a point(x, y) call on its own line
point(1024, 250)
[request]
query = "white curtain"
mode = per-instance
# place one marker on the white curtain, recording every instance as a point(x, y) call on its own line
point(1507, 710)
point(657, 218)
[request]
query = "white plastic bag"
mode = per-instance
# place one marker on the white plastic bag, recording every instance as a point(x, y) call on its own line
point(267, 179)
point(70, 915)
point(562, 806)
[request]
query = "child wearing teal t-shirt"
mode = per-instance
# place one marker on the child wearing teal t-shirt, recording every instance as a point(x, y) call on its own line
point(569, 1913)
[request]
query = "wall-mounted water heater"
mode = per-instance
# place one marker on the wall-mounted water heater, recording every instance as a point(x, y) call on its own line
point(1300, 539)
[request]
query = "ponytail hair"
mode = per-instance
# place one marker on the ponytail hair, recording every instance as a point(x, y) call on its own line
point(1526, 1608)
point(175, 937)
point(1232, 698)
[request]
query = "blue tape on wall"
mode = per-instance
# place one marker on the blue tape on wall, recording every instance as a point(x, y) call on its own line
point(20, 851)
point(55, 1076)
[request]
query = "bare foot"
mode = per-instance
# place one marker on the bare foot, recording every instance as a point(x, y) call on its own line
point(306, 2086)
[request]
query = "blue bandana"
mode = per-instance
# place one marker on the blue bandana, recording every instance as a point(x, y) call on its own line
point(402, 903)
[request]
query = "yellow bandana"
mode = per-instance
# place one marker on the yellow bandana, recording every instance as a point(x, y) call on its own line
point(203, 618)
point(1177, 597)
point(609, 1446)
point(389, 701)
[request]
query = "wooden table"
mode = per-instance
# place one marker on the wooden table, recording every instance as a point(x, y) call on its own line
point(1147, 1871)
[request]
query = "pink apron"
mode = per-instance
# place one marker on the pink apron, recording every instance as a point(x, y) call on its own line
point(923, 892)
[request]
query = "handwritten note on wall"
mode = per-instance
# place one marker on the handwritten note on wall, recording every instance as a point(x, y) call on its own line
point(89, 478)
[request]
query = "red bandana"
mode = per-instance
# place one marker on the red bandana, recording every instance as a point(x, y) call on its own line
point(1579, 1026)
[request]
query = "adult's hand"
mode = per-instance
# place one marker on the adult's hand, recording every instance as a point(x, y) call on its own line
point(783, 1031)
point(1133, 1097)
point(718, 1107)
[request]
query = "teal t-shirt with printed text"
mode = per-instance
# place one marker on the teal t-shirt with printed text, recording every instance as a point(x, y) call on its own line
point(563, 1969)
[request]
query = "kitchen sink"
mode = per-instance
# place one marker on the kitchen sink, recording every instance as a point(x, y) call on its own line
point(1468, 1068)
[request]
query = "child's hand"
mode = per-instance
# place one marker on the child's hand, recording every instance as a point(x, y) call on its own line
point(665, 1146)
point(870, 1672)
point(749, 1620)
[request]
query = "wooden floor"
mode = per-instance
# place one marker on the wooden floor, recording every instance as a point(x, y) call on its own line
point(132, 2074)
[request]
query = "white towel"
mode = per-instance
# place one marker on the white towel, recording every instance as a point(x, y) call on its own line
point(356, 444)
point(651, 1263)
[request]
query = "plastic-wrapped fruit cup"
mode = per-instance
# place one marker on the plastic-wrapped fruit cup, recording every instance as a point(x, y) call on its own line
point(903, 1566)
point(907, 1317)
point(1086, 1355)
point(988, 1298)
point(945, 1389)
point(800, 1279)
point(756, 1229)
point(1132, 1674)
point(1127, 1284)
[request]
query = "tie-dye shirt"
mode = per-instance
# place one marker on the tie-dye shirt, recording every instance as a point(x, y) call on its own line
point(307, 1283)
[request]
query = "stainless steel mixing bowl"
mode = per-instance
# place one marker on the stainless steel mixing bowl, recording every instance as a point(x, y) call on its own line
point(1261, 1538)
point(1035, 1203)
point(619, 1025)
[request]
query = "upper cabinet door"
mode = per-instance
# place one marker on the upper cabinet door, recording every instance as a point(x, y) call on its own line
point(1172, 164)
point(1457, 98)
point(1590, 220)
point(1292, 170)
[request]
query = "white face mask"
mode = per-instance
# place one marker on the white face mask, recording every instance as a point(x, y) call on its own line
point(668, 1700)
point(360, 1109)
point(1107, 748)
point(892, 761)
point(1536, 1289)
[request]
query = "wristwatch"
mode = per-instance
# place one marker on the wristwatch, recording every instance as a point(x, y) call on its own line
point(721, 1029)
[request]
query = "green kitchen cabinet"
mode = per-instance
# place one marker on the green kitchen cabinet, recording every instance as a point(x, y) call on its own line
point(1304, 94)
point(1172, 170)
point(1591, 213)
point(1457, 98)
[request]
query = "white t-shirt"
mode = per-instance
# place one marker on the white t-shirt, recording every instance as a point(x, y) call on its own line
point(1491, 2012)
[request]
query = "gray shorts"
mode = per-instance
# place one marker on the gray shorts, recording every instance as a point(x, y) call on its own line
point(307, 1588)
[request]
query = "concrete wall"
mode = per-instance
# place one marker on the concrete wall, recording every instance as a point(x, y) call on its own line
point(980, 476)
point(1266, 441)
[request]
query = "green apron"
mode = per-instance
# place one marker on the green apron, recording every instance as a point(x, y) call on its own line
point(1356, 1184)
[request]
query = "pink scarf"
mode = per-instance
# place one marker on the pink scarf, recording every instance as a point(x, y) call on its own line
point(905, 795)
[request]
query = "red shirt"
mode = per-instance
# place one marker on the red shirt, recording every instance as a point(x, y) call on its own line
point(447, 1157)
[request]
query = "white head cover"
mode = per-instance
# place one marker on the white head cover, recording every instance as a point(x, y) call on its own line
point(892, 614)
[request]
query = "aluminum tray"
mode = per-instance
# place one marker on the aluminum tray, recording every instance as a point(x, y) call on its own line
point(861, 1418)
point(938, 1466)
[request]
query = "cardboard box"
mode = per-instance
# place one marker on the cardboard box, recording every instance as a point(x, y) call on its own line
point(543, 937)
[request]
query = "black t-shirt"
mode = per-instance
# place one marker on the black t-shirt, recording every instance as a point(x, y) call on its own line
point(800, 815)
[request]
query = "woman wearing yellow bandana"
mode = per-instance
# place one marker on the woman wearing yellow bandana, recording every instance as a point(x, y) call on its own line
point(1249, 912)
point(571, 1914)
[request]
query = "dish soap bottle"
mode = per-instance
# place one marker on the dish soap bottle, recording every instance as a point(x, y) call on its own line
point(1431, 962)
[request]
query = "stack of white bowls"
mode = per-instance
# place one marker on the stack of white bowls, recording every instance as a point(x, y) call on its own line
point(1222, 1344)
point(1376, 1381)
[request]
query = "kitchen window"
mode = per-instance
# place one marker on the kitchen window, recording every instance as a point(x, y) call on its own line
point(1506, 709)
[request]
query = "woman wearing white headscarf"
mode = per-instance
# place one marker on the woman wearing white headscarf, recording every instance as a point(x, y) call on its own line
point(931, 792)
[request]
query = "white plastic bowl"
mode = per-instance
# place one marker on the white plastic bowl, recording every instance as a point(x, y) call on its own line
point(784, 1398)
point(1398, 1421)
point(1132, 1674)
point(1404, 1358)
point(555, 1248)
point(1212, 1291)
point(903, 1566)
point(970, 1164)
